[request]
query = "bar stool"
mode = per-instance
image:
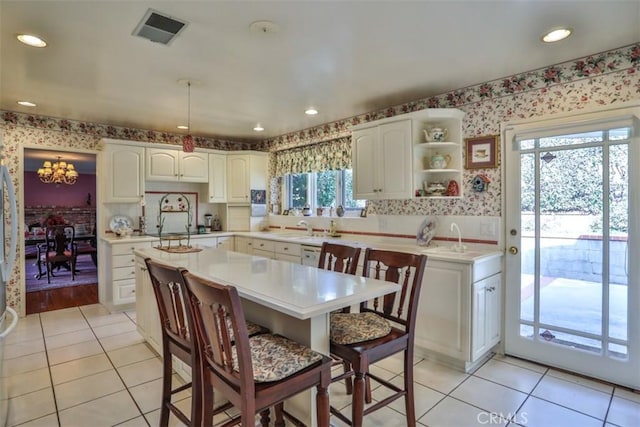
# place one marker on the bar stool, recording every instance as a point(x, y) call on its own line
point(170, 291)
point(252, 373)
point(380, 331)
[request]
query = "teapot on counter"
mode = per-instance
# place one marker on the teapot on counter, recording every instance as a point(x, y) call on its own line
point(439, 161)
point(435, 134)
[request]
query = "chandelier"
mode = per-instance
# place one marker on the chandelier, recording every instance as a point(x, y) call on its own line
point(60, 172)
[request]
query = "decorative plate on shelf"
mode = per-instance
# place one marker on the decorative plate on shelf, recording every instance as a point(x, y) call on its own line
point(120, 221)
point(426, 231)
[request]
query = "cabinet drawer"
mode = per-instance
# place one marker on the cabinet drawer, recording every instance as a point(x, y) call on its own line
point(288, 248)
point(119, 261)
point(127, 248)
point(263, 245)
point(124, 291)
point(124, 273)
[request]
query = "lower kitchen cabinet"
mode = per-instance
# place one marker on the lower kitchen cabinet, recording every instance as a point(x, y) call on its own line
point(243, 245)
point(226, 243)
point(147, 317)
point(120, 273)
point(459, 311)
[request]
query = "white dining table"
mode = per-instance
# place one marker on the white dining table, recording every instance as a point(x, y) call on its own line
point(294, 300)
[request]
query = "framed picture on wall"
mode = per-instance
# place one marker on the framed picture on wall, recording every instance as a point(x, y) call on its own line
point(481, 152)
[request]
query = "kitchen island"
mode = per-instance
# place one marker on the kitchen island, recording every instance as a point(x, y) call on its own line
point(290, 299)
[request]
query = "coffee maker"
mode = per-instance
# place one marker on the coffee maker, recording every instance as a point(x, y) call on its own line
point(208, 221)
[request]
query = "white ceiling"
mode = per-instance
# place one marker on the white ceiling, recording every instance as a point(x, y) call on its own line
point(342, 57)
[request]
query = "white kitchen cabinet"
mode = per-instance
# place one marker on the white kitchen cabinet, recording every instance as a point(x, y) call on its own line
point(264, 248)
point(245, 172)
point(226, 243)
point(382, 160)
point(486, 312)
point(217, 178)
point(147, 317)
point(123, 167)
point(174, 165)
point(285, 251)
point(120, 272)
point(437, 163)
point(459, 311)
point(243, 245)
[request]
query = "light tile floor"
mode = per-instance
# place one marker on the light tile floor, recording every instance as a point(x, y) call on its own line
point(86, 367)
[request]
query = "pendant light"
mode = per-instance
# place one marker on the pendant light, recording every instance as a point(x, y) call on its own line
point(187, 140)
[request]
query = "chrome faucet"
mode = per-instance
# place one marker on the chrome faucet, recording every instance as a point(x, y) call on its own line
point(459, 247)
point(306, 224)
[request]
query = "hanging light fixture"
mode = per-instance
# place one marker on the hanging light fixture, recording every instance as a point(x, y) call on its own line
point(187, 140)
point(59, 172)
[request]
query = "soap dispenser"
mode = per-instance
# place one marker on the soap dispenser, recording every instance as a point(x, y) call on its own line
point(332, 228)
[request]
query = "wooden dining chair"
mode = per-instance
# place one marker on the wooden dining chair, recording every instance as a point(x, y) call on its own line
point(252, 373)
point(173, 309)
point(343, 259)
point(340, 258)
point(380, 331)
point(169, 290)
point(59, 250)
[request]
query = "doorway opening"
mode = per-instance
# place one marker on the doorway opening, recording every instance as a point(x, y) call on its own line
point(49, 284)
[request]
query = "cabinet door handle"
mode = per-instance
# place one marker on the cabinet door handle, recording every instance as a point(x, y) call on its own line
point(143, 268)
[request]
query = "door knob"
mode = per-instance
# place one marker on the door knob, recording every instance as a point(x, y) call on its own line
point(513, 250)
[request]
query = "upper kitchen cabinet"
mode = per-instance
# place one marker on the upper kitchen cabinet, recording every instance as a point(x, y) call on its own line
point(124, 173)
point(217, 178)
point(174, 165)
point(437, 153)
point(382, 160)
point(246, 171)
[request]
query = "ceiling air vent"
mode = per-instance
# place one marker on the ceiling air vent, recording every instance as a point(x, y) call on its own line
point(158, 28)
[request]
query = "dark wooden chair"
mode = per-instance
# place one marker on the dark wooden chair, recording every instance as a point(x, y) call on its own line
point(89, 247)
point(241, 371)
point(169, 290)
point(59, 250)
point(343, 259)
point(379, 331)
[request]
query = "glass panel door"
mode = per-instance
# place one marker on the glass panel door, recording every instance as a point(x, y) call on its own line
point(567, 267)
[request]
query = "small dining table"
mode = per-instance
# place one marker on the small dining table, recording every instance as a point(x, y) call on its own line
point(291, 299)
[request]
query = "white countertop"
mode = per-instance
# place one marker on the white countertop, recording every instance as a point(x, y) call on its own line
point(439, 251)
point(294, 289)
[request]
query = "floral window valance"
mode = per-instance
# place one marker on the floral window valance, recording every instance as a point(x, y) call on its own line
point(329, 155)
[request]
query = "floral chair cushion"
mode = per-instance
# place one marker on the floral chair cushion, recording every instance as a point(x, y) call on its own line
point(275, 357)
point(351, 328)
point(252, 328)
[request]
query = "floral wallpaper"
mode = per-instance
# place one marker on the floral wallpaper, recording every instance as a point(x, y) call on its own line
point(601, 79)
point(597, 80)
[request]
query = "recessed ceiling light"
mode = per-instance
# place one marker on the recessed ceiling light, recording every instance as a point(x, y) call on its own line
point(26, 103)
point(31, 40)
point(182, 127)
point(556, 35)
point(258, 128)
point(311, 112)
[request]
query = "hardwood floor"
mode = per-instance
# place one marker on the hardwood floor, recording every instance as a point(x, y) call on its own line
point(54, 299)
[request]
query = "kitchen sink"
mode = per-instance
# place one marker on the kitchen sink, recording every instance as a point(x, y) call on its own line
point(448, 250)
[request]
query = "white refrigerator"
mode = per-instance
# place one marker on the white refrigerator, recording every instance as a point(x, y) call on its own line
point(9, 235)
